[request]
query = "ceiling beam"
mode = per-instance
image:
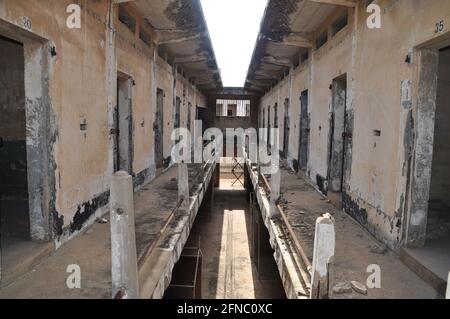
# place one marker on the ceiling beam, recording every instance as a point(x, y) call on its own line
point(168, 37)
point(297, 39)
point(265, 75)
point(197, 58)
point(269, 59)
point(202, 74)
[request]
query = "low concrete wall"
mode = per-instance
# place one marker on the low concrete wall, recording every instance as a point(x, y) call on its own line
point(155, 272)
point(288, 262)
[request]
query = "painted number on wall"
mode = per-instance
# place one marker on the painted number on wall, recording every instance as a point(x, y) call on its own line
point(26, 23)
point(439, 27)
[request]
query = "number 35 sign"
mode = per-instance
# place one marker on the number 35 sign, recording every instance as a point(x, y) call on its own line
point(440, 26)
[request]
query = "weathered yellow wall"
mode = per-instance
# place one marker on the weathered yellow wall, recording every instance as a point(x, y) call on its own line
point(374, 60)
point(79, 92)
point(378, 170)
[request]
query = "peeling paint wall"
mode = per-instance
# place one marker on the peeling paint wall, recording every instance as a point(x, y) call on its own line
point(80, 92)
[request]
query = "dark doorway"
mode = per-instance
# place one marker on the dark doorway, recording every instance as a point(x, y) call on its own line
point(202, 115)
point(438, 224)
point(158, 129)
point(275, 126)
point(189, 115)
point(13, 155)
point(124, 125)
point(304, 131)
point(268, 129)
point(275, 116)
point(14, 208)
point(337, 136)
point(287, 129)
point(177, 118)
point(428, 237)
point(263, 124)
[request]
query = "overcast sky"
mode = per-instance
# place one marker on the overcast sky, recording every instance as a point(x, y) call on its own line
point(233, 26)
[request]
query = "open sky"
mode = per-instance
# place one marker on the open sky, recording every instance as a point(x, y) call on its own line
point(233, 26)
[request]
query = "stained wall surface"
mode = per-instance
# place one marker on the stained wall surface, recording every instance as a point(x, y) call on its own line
point(82, 98)
point(381, 99)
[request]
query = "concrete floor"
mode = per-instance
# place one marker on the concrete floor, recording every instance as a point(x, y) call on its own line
point(91, 249)
point(19, 253)
point(225, 235)
point(303, 205)
point(435, 256)
point(431, 263)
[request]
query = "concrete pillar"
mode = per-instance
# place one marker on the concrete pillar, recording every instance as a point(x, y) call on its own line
point(323, 258)
point(447, 294)
point(123, 240)
point(183, 186)
point(275, 178)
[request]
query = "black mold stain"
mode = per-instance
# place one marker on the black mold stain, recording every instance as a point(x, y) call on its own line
point(320, 181)
point(295, 165)
point(279, 19)
point(86, 210)
point(141, 177)
point(185, 14)
point(58, 223)
point(352, 208)
point(166, 162)
point(348, 149)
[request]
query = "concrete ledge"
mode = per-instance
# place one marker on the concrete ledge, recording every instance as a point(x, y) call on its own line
point(293, 274)
point(155, 272)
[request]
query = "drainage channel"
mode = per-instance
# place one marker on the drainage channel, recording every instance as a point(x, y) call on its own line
point(228, 255)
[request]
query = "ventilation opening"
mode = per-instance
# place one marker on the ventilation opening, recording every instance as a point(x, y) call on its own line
point(340, 23)
point(127, 19)
point(321, 40)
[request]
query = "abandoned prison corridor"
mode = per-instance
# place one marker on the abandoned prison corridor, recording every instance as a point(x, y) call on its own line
point(95, 106)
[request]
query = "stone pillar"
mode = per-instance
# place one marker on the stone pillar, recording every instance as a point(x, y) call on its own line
point(124, 269)
point(274, 191)
point(323, 258)
point(275, 177)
